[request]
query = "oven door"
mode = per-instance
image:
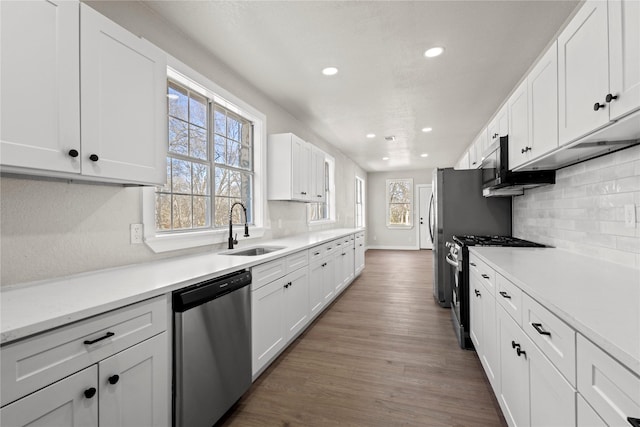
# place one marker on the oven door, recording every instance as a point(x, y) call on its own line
point(455, 266)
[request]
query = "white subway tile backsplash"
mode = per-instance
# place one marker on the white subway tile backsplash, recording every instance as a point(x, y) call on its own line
point(584, 211)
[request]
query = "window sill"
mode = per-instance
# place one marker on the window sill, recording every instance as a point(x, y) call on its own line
point(176, 241)
point(321, 222)
point(399, 227)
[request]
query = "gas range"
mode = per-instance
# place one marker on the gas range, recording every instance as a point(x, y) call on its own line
point(494, 241)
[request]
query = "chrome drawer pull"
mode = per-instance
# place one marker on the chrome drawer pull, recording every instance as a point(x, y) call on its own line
point(538, 327)
point(107, 335)
point(505, 295)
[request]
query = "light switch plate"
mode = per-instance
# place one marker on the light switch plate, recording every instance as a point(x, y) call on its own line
point(136, 233)
point(630, 216)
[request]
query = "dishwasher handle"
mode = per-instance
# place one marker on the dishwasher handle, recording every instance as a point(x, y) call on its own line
point(209, 290)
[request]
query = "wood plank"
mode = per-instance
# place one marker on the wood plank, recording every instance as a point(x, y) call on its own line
point(383, 354)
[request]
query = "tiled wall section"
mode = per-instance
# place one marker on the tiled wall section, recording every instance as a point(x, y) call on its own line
point(584, 211)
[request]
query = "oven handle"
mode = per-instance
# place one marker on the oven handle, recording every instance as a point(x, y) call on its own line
point(451, 261)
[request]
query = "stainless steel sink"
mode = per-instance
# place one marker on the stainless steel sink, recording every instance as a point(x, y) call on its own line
point(255, 251)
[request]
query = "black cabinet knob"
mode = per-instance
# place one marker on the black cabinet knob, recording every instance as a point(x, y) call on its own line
point(597, 106)
point(514, 344)
point(113, 379)
point(478, 293)
point(73, 153)
point(94, 158)
point(611, 97)
point(521, 352)
point(90, 392)
point(522, 151)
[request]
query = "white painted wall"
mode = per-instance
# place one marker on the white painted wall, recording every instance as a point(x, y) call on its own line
point(56, 228)
point(584, 211)
point(379, 236)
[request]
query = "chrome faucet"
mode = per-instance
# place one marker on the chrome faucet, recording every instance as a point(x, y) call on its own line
point(232, 240)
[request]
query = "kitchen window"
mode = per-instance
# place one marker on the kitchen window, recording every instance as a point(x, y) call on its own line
point(359, 202)
point(399, 196)
point(215, 159)
point(325, 211)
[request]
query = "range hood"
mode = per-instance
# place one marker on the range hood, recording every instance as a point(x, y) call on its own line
point(616, 136)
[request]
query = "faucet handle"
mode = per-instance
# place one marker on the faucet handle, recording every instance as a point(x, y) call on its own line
point(235, 239)
point(246, 230)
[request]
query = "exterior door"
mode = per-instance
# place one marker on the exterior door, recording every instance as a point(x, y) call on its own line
point(424, 197)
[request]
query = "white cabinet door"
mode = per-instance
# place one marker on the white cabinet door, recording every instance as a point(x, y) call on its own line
point(474, 158)
point(40, 102)
point(514, 371)
point(70, 402)
point(359, 254)
point(329, 278)
point(542, 84)
point(349, 267)
point(624, 56)
point(134, 385)
point(490, 355)
point(317, 171)
point(296, 301)
point(583, 70)
point(123, 103)
point(316, 288)
point(552, 398)
point(339, 260)
point(499, 126)
point(267, 323)
point(476, 293)
point(300, 169)
point(518, 107)
point(587, 417)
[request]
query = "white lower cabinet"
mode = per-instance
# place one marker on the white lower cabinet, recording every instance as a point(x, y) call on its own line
point(359, 253)
point(114, 382)
point(587, 417)
point(296, 302)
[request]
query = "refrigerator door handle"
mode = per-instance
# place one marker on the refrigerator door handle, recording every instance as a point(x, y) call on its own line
point(431, 218)
point(451, 261)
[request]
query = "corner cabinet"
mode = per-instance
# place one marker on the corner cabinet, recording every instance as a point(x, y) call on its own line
point(111, 370)
point(101, 106)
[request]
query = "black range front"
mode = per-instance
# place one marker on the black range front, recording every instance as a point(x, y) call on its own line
point(458, 259)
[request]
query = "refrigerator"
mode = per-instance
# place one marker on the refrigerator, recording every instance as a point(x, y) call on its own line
point(457, 207)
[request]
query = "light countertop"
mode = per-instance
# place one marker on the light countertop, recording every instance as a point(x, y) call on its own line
point(28, 309)
point(599, 299)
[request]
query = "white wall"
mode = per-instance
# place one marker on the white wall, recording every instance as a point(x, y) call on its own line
point(379, 236)
point(584, 211)
point(56, 228)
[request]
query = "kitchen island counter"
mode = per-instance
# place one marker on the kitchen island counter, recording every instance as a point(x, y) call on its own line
point(599, 299)
point(30, 308)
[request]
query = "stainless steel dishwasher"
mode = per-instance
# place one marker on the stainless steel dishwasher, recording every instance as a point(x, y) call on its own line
point(211, 348)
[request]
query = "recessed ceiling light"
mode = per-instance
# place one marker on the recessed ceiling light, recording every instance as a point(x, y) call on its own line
point(427, 129)
point(424, 155)
point(371, 135)
point(330, 71)
point(434, 51)
point(385, 158)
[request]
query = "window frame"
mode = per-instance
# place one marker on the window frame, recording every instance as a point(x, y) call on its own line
point(160, 241)
point(388, 203)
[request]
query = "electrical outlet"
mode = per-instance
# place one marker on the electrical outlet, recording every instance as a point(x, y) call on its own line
point(136, 233)
point(630, 216)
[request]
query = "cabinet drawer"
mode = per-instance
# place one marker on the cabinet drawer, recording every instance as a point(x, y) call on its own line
point(509, 296)
point(33, 363)
point(554, 337)
point(267, 272)
point(296, 261)
point(316, 253)
point(611, 389)
point(329, 248)
point(484, 272)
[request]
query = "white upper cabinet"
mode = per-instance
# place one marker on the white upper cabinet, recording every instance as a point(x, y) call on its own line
point(317, 176)
point(542, 87)
point(498, 127)
point(583, 69)
point(288, 168)
point(82, 98)
point(40, 102)
point(123, 102)
point(624, 56)
point(518, 107)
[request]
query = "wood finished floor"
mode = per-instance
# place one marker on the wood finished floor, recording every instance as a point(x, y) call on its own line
point(384, 354)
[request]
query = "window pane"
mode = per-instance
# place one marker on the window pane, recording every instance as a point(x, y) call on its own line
point(245, 157)
point(222, 182)
point(221, 215)
point(166, 188)
point(233, 153)
point(399, 192)
point(198, 110)
point(220, 149)
point(399, 214)
point(201, 211)
point(178, 136)
point(233, 129)
point(235, 184)
point(245, 130)
point(180, 176)
point(238, 213)
point(247, 195)
point(200, 179)
point(219, 122)
point(163, 212)
point(181, 212)
point(198, 143)
point(177, 100)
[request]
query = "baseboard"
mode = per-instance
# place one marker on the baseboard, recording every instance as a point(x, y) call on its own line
point(395, 248)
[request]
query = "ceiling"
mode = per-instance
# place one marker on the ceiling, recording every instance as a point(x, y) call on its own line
point(385, 84)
